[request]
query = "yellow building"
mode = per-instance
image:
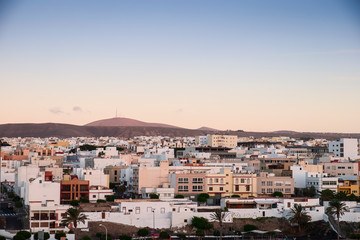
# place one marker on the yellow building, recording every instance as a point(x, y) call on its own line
point(349, 187)
point(227, 183)
point(229, 141)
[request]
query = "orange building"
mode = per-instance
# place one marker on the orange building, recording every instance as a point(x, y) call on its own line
point(74, 189)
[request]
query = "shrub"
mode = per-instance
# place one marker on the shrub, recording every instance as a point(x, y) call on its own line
point(26, 234)
point(110, 198)
point(2, 238)
point(249, 227)
point(74, 203)
point(86, 238)
point(59, 235)
point(125, 237)
point(164, 235)
point(143, 232)
point(100, 201)
point(200, 233)
point(154, 196)
point(216, 233)
point(98, 235)
point(201, 223)
point(235, 196)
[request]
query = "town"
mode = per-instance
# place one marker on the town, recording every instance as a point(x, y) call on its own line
point(211, 185)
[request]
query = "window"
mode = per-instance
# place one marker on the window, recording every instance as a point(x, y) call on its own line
point(221, 189)
point(247, 188)
point(197, 180)
point(149, 209)
point(137, 210)
point(236, 188)
point(210, 188)
point(263, 190)
point(269, 183)
point(115, 172)
point(262, 183)
point(287, 190)
point(197, 188)
point(242, 180)
point(183, 188)
point(269, 190)
point(183, 180)
point(94, 196)
point(216, 180)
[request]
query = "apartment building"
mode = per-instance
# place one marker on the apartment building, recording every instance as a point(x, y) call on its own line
point(268, 183)
point(228, 183)
point(228, 141)
point(345, 148)
point(150, 174)
point(349, 186)
point(73, 189)
point(341, 168)
point(188, 182)
point(114, 173)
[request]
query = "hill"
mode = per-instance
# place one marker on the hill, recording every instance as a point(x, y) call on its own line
point(68, 130)
point(126, 122)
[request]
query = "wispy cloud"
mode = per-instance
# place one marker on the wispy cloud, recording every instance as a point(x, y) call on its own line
point(56, 110)
point(77, 109)
point(180, 110)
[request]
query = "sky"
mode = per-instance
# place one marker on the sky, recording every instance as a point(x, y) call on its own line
point(255, 65)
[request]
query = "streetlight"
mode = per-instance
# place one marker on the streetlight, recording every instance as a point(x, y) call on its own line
point(153, 211)
point(105, 230)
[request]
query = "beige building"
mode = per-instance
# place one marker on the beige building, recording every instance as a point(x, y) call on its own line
point(114, 173)
point(341, 168)
point(149, 176)
point(268, 183)
point(188, 182)
point(229, 141)
point(227, 183)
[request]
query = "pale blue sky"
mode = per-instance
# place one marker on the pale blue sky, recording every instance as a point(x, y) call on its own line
point(245, 64)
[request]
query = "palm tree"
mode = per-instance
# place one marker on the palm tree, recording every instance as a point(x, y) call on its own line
point(73, 215)
point(219, 215)
point(299, 216)
point(337, 208)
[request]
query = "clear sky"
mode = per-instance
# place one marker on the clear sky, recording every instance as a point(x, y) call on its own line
point(245, 64)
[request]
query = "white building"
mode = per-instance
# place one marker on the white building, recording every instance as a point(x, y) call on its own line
point(345, 148)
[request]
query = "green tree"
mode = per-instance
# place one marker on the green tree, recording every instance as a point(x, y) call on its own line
point(235, 196)
point(143, 232)
point(201, 223)
point(203, 197)
point(327, 195)
point(299, 216)
point(74, 203)
point(74, 216)
point(219, 215)
point(336, 208)
point(86, 238)
point(249, 227)
point(98, 235)
point(154, 196)
point(277, 194)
